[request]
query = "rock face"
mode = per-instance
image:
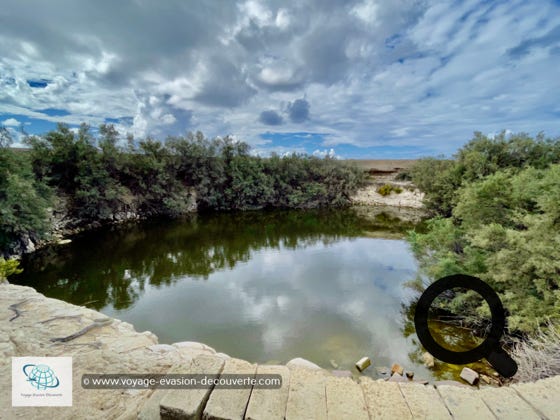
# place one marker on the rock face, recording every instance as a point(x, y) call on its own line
point(410, 197)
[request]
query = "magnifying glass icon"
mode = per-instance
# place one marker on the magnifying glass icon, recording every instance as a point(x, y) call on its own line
point(490, 348)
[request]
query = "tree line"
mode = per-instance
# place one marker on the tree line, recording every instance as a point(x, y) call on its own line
point(496, 215)
point(99, 177)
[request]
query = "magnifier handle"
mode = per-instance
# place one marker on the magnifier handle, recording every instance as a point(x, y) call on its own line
point(502, 362)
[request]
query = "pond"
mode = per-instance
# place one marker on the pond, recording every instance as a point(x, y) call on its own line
point(328, 286)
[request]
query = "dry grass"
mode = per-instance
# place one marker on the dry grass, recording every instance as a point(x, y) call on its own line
point(539, 356)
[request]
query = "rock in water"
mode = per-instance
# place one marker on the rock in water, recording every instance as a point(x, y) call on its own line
point(396, 368)
point(429, 360)
point(333, 363)
point(409, 375)
point(363, 363)
point(469, 375)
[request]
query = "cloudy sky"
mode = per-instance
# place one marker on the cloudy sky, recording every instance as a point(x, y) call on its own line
point(367, 78)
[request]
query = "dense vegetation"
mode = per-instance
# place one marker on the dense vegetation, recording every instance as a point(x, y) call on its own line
point(98, 179)
point(497, 217)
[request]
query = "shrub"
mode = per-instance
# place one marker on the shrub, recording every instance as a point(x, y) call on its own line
point(7, 268)
point(387, 189)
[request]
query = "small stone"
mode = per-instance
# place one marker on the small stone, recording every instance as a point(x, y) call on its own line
point(382, 370)
point(363, 363)
point(334, 364)
point(410, 375)
point(342, 373)
point(64, 241)
point(469, 376)
point(429, 360)
point(396, 368)
point(303, 363)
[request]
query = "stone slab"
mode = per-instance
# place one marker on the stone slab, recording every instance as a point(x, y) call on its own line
point(345, 399)
point(384, 400)
point(464, 403)
point(506, 404)
point(424, 401)
point(224, 403)
point(266, 404)
point(189, 404)
point(542, 395)
point(306, 397)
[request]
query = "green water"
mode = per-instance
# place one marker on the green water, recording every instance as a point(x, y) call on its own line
point(262, 286)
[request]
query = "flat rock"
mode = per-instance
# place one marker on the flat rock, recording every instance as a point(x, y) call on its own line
point(300, 362)
point(306, 398)
point(345, 400)
point(424, 401)
point(181, 403)
point(507, 404)
point(269, 403)
point(464, 403)
point(542, 395)
point(227, 403)
point(384, 400)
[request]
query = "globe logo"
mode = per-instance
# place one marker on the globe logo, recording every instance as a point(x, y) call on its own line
point(40, 376)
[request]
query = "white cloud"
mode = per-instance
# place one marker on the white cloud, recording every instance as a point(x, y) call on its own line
point(11, 122)
point(403, 73)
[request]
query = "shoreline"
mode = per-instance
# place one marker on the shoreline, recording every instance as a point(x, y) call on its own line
point(115, 343)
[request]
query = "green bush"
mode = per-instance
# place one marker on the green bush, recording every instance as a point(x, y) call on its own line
point(387, 189)
point(7, 268)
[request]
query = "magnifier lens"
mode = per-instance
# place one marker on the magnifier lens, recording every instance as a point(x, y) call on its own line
point(459, 319)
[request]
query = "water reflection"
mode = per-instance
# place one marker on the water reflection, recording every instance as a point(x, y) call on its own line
point(261, 286)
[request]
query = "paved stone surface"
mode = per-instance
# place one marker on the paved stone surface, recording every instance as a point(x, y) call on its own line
point(345, 399)
point(424, 401)
point(306, 397)
point(506, 404)
point(543, 396)
point(230, 403)
point(266, 404)
point(464, 403)
point(179, 403)
point(384, 400)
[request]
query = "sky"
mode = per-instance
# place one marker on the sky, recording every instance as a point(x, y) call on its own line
point(351, 79)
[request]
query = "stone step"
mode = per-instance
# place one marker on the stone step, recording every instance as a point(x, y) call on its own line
point(269, 404)
point(543, 396)
point(384, 400)
point(345, 399)
point(464, 403)
point(181, 403)
point(226, 404)
point(424, 401)
point(506, 404)
point(306, 397)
